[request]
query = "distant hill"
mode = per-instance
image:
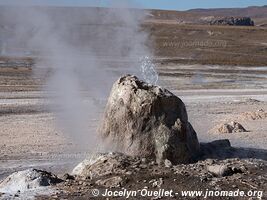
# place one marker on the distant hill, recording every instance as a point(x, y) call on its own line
point(90, 15)
point(195, 41)
point(252, 11)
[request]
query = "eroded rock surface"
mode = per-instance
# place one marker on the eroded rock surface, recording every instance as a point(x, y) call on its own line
point(104, 164)
point(30, 179)
point(148, 121)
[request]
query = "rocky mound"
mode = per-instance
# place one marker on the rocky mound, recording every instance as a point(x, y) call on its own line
point(30, 179)
point(104, 164)
point(141, 174)
point(114, 169)
point(255, 115)
point(148, 121)
point(232, 127)
point(233, 21)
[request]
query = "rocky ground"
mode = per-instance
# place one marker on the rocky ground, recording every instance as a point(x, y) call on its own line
point(30, 138)
point(246, 178)
point(233, 174)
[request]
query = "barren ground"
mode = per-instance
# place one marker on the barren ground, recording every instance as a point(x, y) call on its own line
point(30, 137)
point(227, 81)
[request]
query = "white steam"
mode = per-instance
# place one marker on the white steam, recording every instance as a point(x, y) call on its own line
point(83, 52)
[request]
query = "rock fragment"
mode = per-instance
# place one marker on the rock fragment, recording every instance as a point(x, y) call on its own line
point(68, 177)
point(115, 181)
point(168, 163)
point(220, 170)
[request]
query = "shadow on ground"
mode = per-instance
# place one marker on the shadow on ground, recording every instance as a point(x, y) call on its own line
point(222, 149)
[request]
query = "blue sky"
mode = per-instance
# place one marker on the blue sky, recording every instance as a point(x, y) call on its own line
point(157, 4)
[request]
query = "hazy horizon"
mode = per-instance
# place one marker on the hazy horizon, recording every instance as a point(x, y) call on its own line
point(156, 4)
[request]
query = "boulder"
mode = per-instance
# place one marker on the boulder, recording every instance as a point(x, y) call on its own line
point(103, 164)
point(144, 120)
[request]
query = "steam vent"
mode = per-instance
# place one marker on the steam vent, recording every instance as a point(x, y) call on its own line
point(148, 121)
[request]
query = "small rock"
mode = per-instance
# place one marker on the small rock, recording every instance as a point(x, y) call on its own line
point(210, 161)
point(203, 179)
point(129, 173)
point(167, 163)
point(234, 186)
point(237, 170)
point(157, 183)
point(143, 160)
point(112, 182)
point(220, 170)
point(143, 166)
point(152, 163)
point(68, 177)
point(85, 184)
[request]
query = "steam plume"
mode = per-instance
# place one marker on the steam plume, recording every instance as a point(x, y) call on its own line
point(79, 47)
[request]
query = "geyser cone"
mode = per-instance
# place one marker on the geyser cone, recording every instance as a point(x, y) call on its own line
point(144, 120)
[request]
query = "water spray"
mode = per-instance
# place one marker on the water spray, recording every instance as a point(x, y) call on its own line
point(148, 70)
